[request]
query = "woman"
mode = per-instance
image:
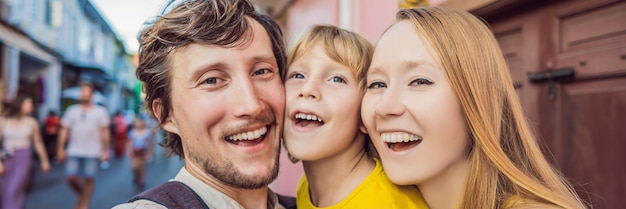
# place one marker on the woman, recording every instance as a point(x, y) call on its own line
point(140, 148)
point(442, 112)
point(19, 132)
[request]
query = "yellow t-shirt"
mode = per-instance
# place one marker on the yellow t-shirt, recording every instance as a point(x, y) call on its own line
point(376, 191)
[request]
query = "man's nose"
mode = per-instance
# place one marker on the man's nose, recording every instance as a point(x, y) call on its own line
point(246, 100)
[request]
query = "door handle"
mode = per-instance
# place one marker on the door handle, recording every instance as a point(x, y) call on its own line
point(558, 75)
point(552, 77)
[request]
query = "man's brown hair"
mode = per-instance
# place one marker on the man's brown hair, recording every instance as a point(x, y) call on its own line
point(212, 22)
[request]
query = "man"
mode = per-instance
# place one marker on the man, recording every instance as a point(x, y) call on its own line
point(87, 126)
point(212, 74)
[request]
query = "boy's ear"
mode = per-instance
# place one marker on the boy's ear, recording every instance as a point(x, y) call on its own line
point(168, 125)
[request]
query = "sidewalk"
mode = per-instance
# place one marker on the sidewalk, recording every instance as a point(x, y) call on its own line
point(113, 185)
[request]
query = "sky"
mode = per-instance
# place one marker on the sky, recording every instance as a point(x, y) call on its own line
point(127, 16)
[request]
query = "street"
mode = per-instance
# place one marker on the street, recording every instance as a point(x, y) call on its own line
point(113, 185)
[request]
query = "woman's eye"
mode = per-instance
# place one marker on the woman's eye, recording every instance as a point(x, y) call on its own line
point(211, 80)
point(338, 79)
point(377, 85)
point(420, 82)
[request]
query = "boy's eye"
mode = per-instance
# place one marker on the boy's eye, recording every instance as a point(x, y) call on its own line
point(377, 85)
point(338, 79)
point(421, 82)
point(296, 75)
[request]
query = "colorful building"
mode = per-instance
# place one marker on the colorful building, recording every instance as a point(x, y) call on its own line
point(80, 46)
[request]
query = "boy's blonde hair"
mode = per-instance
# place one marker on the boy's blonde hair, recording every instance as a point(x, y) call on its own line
point(342, 46)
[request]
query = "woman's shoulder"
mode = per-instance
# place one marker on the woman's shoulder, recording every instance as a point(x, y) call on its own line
point(32, 121)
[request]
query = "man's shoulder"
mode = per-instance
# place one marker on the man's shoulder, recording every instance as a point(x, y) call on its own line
point(287, 202)
point(100, 109)
point(172, 194)
point(72, 108)
point(140, 204)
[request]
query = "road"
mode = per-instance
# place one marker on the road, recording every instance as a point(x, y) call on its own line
point(113, 185)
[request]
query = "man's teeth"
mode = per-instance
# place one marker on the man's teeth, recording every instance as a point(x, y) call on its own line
point(250, 135)
point(399, 137)
point(308, 117)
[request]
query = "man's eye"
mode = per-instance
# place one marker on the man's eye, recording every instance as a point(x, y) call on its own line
point(421, 82)
point(261, 71)
point(377, 85)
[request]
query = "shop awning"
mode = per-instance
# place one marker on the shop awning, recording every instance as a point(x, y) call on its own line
point(12, 36)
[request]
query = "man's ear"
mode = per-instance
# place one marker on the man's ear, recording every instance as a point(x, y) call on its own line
point(168, 125)
point(363, 129)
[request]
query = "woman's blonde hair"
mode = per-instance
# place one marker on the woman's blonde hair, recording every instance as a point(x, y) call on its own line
point(342, 46)
point(507, 167)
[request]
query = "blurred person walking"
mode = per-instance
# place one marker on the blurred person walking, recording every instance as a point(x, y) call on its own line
point(19, 132)
point(86, 125)
point(140, 146)
point(120, 133)
point(51, 126)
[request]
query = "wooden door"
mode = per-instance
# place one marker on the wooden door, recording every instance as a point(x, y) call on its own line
point(590, 114)
point(582, 121)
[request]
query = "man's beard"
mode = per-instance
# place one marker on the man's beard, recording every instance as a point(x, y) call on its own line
point(231, 176)
point(83, 101)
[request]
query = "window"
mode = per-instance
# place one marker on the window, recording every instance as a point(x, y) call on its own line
point(54, 13)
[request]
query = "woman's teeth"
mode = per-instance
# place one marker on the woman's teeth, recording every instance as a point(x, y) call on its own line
point(399, 137)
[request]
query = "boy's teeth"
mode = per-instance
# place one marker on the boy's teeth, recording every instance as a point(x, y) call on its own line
point(250, 135)
point(399, 137)
point(308, 117)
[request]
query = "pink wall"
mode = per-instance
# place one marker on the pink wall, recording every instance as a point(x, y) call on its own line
point(288, 176)
point(304, 13)
point(375, 17)
point(370, 18)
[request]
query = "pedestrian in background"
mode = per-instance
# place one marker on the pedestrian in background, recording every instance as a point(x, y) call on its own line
point(20, 131)
point(51, 126)
point(140, 148)
point(86, 125)
point(120, 133)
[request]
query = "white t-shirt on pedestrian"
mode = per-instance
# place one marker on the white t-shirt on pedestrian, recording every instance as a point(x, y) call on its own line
point(85, 130)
